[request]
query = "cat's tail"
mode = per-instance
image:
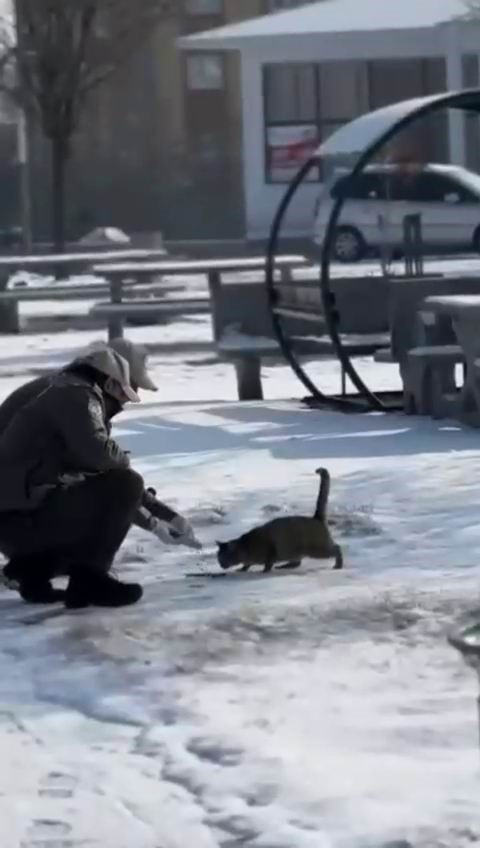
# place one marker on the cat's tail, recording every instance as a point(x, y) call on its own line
point(324, 491)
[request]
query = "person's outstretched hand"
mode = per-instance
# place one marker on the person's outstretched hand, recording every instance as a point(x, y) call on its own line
point(176, 532)
point(184, 532)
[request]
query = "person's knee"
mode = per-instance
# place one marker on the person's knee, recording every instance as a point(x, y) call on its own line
point(126, 484)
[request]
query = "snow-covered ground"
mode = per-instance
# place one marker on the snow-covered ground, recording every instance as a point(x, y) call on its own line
point(315, 709)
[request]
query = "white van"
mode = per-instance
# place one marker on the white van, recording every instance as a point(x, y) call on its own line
point(446, 196)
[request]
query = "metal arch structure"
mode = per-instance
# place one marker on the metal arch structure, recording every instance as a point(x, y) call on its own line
point(358, 141)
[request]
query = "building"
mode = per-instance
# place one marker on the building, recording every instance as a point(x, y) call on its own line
point(306, 72)
point(160, 147)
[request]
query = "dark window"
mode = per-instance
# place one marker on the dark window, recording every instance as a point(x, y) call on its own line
point(290, 93)
point(450, 186)
point(428, 188)
point(434, 188)
point(362, 187)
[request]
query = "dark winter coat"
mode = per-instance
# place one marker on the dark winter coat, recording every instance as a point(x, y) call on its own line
point(60, 433)
point(25, 399)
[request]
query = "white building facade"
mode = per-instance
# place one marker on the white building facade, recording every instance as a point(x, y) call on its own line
point(308, 71)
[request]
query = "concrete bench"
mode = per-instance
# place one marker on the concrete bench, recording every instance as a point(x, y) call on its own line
point(61, 265)
point(246, 353)
point(384, 354)
point(89, 291)
point(244, 335)
point(115, 314)
point(11, 298)
point(429, 387)
point(25, 294)
point(462, 313)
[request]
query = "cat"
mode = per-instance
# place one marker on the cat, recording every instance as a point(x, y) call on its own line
point(285, 540)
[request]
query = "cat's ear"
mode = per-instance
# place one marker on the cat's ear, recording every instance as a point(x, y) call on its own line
point(220, 544)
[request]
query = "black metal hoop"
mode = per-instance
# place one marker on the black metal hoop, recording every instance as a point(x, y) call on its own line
point(467, 100)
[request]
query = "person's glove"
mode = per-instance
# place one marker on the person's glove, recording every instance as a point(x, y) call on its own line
point(176, 532)
point(162, 531)
point(183, 532)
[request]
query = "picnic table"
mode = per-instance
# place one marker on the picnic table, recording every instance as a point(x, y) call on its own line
point(73, 261)
point(426, 355)
point(463, 312)
point(60, 264)
point(118, 273)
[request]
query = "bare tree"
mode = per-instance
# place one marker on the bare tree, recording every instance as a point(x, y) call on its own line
point(61, 51)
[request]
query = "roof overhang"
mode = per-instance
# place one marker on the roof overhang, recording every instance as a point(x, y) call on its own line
point(333, 19)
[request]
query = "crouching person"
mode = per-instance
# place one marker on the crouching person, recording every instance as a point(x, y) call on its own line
point(68, 495)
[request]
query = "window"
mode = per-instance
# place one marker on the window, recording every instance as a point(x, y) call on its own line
point(391, 80)
point(434, 188)
point(290, 93)
point(366, 186)
point(312, 99)
point(287, 147)
point(430, 188)
point(203, 7)
point(394, 80)
point(340, 91)
point(205, 72)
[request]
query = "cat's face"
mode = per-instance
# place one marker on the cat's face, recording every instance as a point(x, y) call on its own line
point(229, 554)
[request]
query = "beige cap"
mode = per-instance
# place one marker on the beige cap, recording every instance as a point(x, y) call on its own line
point(110, 363)
point(136, 356)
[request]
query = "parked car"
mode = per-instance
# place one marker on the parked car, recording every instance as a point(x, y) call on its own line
point(446, 196)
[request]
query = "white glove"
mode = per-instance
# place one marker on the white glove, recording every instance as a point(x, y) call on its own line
point(176, 532)
point(183, 532)
point(161, 530)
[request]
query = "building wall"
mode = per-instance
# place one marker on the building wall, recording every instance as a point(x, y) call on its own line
point(178, 143)
point(321, 97)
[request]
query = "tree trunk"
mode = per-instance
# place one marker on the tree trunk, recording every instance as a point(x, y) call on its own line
point(59, 151)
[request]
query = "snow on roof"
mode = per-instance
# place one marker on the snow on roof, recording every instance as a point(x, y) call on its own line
point(334, 16)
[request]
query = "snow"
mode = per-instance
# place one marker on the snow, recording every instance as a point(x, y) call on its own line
point(233, 339)
point(104, 235)
point(315, 709)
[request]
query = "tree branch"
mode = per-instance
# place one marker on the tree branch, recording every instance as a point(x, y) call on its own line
point(67, 48)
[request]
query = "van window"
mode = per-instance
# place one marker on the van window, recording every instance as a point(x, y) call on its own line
point(367, 186)
point(429, 187)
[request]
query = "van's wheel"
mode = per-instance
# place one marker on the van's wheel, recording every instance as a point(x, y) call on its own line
point(348, 245)
point(476, 240)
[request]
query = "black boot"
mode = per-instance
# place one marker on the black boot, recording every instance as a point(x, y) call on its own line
point(38, 591)
point(31, 578)
point(87, 588)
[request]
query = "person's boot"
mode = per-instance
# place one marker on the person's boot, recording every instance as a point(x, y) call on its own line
point(87, 588)
point(31, 579)
point(40, 591)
